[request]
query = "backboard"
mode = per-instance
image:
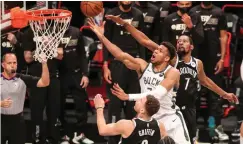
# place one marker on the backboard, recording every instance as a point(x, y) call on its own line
point(25, 5)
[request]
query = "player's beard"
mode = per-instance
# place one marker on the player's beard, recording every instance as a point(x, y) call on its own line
point(181, 54)
point(126, 6)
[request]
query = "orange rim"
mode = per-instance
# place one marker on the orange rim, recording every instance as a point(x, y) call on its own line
point(40, 14)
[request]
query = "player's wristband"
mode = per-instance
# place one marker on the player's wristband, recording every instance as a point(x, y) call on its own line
point(99, 108)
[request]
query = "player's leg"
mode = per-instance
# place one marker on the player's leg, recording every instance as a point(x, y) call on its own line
point(17, 135)
point(115, 105)
point(64, 86)
point(37, 99)
point(4, 128)
point(189, 115)
point(52, 110)
point(80, 97)
point(133, 86)
point(176, 128)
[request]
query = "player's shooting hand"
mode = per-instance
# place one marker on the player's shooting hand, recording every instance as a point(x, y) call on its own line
point(6, 103)
point(219, 67)
point(117, 91)
point(187, 20)
point(231, 98)
point(84, 82)
point(116, 19)
point(107, 74)
point(12, 39)
point(98, 101)
point(98, 30)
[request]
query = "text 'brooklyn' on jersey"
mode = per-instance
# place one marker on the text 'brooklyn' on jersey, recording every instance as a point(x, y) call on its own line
point(145, 132)
point(189, 83)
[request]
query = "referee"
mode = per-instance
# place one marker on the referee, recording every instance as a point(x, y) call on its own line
point(12, 98)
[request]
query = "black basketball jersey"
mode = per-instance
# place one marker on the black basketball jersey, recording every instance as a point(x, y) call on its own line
point(189, 83)
point(145, 132)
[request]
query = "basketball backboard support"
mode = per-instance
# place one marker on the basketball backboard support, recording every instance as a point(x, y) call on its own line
point(24, 5)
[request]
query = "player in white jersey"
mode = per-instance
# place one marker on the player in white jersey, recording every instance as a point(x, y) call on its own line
point(163, 79)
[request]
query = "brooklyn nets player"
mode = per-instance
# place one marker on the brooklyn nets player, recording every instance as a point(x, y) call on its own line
point(141, 130)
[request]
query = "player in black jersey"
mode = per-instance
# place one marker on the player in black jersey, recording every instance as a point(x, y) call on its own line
point(141, 130)
point(183, 23)
point(212, 53)
point(192, 75)
point(184, 48)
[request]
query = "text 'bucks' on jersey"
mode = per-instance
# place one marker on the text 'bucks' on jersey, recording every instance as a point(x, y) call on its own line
point(149, 81)
point(189, 83)
point(145, 132)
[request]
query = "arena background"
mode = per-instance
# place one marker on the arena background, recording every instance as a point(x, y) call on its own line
point(97, 84)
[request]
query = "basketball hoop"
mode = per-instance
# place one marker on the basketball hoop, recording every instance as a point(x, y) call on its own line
point(48, 27)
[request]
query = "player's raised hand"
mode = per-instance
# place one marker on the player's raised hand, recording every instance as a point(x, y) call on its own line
point(98, 30)
point(12, 38)
point(117, 91)
point(231, 98)
point(98, 101)
point(116, 19)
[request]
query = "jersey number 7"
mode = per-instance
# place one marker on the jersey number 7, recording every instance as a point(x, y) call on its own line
point(187, 83)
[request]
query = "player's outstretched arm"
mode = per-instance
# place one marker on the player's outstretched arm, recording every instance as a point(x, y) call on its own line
point(128, 60)
point(171, 80)
point(112, 129)
point(45, 76)
point(207, 82)
point(138, 35)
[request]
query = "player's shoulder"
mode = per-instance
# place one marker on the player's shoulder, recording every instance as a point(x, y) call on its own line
point(136, 11)
point(217, 11)
point(171, 16)
point(173, 71)
point(125, 123)
point(195, 8)
point(153, 7)
point(113, 11)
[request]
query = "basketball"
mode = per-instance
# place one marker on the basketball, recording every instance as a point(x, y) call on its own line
point(91, 8)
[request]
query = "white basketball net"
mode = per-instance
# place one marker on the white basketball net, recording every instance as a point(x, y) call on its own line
point(48, 35)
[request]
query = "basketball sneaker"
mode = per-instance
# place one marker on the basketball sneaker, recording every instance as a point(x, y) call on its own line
point(221, 134)
point(81, 139)
point(65, 140)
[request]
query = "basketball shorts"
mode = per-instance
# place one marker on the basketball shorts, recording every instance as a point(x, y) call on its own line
point(176, 127)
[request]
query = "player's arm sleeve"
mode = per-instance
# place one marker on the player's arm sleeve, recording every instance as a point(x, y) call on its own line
point(222, 21)
point(82, 55)
point(108, 34)
point(28, 42)
point(30, 81)
point(159, 92)
point(156, 27)
point(197, 30)
point(165, 30)
point(140, 27)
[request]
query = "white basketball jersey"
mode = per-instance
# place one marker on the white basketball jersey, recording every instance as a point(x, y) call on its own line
point(149, 81)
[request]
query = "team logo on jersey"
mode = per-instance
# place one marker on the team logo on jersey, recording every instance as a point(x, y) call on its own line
point(6, 44)
point(178, 26)
point(209, 20)
point(148, 19)
point(193, 64)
